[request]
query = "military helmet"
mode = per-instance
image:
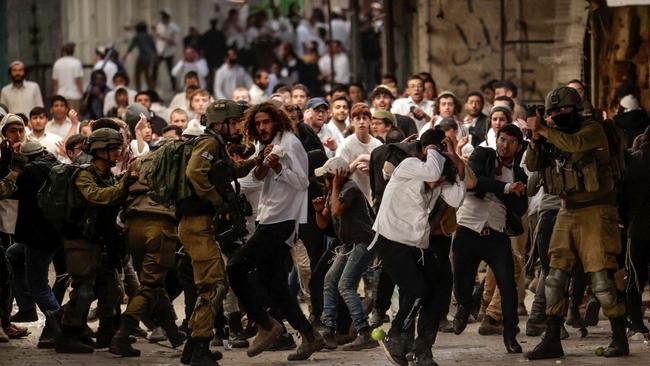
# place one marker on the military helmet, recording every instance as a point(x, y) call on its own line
point(221, 110)
point(563, 96)
point(103, 138)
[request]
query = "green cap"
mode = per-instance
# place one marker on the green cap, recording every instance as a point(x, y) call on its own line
point(386, 116)
point(563, 96)
point(221, 110)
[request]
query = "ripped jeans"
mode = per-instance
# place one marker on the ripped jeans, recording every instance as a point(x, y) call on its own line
point(343, 277)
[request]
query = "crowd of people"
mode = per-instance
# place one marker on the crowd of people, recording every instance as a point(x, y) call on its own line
point(266, 193)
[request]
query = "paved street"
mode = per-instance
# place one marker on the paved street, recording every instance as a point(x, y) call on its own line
point(467, 349)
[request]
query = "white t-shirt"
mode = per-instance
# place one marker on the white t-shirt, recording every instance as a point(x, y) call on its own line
point(349, 150)
point(403, 106)
point(60, 130)
point(66, 70)
point(330, 130)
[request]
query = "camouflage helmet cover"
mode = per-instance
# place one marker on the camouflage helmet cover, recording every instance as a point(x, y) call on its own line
point(221, 110)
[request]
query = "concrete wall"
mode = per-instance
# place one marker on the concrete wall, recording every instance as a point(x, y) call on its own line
point(459, 43)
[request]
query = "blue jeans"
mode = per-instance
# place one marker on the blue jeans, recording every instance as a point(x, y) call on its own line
point(30, 284)
point(343, 277)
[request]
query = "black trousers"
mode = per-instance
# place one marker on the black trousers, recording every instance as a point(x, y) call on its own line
point(542, 242)
point(417, 274)
point(639, 253)
point(257, 272)
point(470, 248)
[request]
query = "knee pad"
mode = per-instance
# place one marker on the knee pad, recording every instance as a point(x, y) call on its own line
point(603, 287)
point(555, 286)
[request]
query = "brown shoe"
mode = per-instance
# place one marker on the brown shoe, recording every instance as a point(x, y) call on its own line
point(489, 326)
point(307, 348)
point(264, 338)
point(15, 332)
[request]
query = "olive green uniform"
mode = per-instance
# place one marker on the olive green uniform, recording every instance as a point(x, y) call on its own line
point(87, 263)
point(151, 234)
point(206, 170)
point(7, 186)
point(579, 171)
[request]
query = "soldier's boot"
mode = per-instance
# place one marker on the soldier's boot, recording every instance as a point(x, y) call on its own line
point(121, 344)
point(201, 355)
point(619, 345)
point(168, 324)
point(105, 332)
point(69, 341)
point(237, 337)
point(265, 337)
point(396, 346)
point(551, 345)
point(312, 342)
point(536, 324)
point(52, 329)
point(188, 350)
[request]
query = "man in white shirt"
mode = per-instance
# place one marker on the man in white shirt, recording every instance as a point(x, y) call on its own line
point(120, 79)
point(230, 76)
point(340, 113)
point(403, 242)
point(356, 148)
point(50, 141)
point(282, 207)
point(166, 35)
point(415, 106)
point(103, 62)
point(448, 106)
point(340, 74)
point(260, 83)
point(315, 116)
point(64, 122)
point(21, 95)
point(66, 76)
point(488, 215)
point(191, 61)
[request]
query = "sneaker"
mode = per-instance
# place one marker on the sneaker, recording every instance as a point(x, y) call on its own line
point(363, 341)
point(25, 316)
point(395, 349)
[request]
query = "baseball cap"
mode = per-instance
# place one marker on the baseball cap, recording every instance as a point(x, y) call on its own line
point(315, 103)
point(384, 115)
point(332, 165)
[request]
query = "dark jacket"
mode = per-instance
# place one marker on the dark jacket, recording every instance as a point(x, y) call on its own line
point(32, 228)
point(393, 153)
point(479, 130)
point(406, 125)
point(633, 124)
point(483, 164)
point(636, 190)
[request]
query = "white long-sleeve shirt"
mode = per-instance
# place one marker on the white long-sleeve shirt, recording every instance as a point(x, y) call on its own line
point(403, 106)
point(284, 195)
point(403, 216)
point(227, 78)
point(200, 66)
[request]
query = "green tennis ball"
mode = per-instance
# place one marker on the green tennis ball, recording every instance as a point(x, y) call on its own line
point(378, 334)
point(600, 351)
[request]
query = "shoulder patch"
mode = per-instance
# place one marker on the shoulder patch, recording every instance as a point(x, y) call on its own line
point(207, 155)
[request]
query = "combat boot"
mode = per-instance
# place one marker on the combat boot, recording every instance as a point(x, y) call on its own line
point(237, 338)
point(330, 338)
point(396, 346)
point(69, 341)
point(363, 341)
point(460, 319)
point(168, 324)
point(536, 324)
point(105, 332)
point(264, 338)
point(121, 344)
point(201, 355)
point(52, 329)
point(551, 345)
point(619, 346)
point(188, 350)
point(311, 343)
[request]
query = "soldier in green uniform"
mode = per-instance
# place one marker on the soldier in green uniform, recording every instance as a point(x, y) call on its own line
point(210, 172)
point(572, 154)
point(151, 234)
point(85, 243)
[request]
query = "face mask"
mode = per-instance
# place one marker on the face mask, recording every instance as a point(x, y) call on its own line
point(565, 121)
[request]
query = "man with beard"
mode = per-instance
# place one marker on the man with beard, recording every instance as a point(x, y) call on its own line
point(475, 120)
point(340, 113)
point(21, 95)
point(259, 266)
point(316, 116)
point(572, 153)
point(260, 83)
point(230, 76)
point(210, 171)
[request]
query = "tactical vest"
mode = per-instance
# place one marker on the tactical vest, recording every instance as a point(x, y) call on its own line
point(582, 176)
point(138, 200)
point(98, 221)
